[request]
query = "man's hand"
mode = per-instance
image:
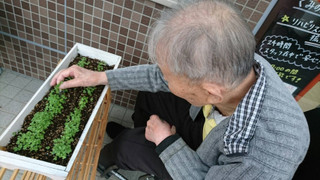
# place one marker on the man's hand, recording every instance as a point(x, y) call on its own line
point(81, 77)
point(157, 130)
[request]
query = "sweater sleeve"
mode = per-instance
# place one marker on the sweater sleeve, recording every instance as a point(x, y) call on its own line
point(141, 78)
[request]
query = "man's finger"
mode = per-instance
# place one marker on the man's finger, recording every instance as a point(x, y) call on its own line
point(71, 84)
point(57, 78)
point(54, 79)
point(65, 74)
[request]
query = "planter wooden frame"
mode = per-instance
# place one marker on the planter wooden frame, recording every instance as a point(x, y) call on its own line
point(14, 161)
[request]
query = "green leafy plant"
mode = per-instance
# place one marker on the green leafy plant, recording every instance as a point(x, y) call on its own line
point(101, 66)
point(31, 139)
point(89, 90)
point(83, 62)
point(62, 145)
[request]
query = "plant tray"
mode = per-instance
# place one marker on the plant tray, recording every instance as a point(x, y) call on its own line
point(14, 161)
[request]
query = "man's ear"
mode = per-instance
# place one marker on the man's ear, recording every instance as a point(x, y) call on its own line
point(214, 92)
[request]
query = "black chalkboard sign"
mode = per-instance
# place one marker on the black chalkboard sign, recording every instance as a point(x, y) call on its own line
point(290, 40)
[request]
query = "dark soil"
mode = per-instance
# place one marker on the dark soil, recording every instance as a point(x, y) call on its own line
point(56, 128)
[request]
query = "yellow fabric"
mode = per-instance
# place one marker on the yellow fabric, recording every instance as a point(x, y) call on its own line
point(209, 124)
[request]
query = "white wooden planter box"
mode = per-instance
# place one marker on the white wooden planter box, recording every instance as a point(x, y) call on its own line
point(15, 161)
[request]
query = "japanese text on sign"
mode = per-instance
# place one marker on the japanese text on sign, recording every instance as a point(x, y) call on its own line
point(287, 73)
point(285, 49)
point(309, 5)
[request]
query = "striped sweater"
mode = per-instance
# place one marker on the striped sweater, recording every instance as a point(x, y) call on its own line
point(278, 146)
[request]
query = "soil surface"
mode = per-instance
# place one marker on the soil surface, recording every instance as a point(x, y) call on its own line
point(56, 128)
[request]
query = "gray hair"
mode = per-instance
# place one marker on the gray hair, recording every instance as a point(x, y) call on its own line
point(204, 40)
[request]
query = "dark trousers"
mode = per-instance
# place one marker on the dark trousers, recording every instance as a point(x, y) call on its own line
point(132, 151)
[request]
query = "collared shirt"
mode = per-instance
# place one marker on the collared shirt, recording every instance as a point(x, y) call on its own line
point(243, 122)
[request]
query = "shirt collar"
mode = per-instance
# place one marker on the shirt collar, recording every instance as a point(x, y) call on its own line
point(243, 122)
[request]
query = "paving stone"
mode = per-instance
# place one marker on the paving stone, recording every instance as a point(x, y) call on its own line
point(127, 116)
point(4, 101)
point(23, 96)
point(7, 76)
point(20, 82)
point(5, 119)
point(13, 107)
point(10, 91)
point(1, 130)
point(13, 72)
point(34, 85)
point(117, 111)
point(2, 85)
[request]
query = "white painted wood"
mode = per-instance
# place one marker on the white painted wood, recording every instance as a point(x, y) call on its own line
point(14, 161)
point(94, 53)
point(168, 3)
point(35, 162)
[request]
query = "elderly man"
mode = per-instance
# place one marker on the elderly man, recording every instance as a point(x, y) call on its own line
point(229, 115)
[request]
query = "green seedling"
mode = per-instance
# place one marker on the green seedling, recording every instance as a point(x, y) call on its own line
point(83, 62)
point(31, 140)
point(62, 145)
point(101, 66)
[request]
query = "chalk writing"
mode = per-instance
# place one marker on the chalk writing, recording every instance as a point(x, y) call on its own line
point(285, 18)
point(309, 5)
point(307, 25)
point(279, 44)
point(315, 38)
point(285, 49)
point(287, 73)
